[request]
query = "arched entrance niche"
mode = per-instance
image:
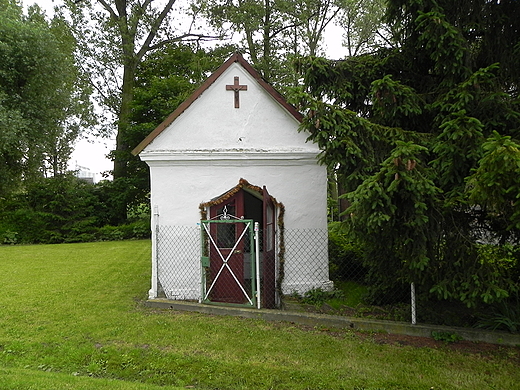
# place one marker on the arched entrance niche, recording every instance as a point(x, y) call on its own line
point(242, 202)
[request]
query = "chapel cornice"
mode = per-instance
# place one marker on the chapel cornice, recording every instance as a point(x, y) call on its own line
point(237, 157)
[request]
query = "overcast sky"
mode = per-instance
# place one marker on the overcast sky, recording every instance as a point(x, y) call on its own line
point(91, 153)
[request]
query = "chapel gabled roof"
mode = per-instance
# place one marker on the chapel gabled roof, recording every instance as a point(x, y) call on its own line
point(237, 57)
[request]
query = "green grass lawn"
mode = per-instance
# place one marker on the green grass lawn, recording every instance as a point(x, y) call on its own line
point(71, 318)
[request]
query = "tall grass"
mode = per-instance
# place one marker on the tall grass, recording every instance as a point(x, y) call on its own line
point(71, 318)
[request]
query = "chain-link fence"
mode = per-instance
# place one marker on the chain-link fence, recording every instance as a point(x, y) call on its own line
point(177, 261)
point(212, 264)
point(310, 271)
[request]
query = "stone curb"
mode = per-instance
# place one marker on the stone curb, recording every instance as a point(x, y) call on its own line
point(312, 319)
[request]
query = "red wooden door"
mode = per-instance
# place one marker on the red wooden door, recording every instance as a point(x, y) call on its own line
point(227, 252)
point(228, 280)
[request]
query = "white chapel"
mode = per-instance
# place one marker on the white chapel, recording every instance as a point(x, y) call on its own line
point(239, 199)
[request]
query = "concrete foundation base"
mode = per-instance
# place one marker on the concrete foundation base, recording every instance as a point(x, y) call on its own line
point(392, 327)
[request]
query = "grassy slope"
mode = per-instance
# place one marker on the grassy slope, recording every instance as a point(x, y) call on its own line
point(70, 314)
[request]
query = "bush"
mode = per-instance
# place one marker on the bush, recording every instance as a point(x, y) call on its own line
point(66, 209)
point(347, 263)
point(10, 238)
point(502, 316)
point(345, 255)
point(32, 226)
point(318, 296)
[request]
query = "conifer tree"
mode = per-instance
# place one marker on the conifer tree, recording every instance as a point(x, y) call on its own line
point(425, 138)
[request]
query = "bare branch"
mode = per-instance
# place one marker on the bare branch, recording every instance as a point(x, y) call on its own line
point(385, 39)
point(153, 30)
point(143, 7)
point(185, 37)
point(286, 27)
point(109, 9)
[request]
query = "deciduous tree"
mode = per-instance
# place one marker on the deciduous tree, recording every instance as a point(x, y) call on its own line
point(272, 32)
point(115, 36)
point(43, 104)
point(362, 23)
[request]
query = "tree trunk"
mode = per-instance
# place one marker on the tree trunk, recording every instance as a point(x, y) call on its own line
point(127, 95)
point(344, 204)
point(266, 55)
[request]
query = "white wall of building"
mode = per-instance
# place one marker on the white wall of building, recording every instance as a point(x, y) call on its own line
point(212, 145)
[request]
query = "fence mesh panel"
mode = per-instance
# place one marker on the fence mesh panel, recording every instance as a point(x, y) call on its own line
point(305, 261)
point(178, 261)
point(311, 273)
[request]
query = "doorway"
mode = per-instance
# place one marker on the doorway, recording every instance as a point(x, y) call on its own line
point(231, 273)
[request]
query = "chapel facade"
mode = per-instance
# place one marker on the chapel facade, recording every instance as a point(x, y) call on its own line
point(239, 199)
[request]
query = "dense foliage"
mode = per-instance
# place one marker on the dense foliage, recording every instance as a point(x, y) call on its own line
point(345, 255)
point(425, 139)
point(64, 208)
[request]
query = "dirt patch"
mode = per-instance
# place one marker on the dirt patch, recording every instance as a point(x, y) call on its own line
point(462, 346)
point(393, 313)
point(511, 353)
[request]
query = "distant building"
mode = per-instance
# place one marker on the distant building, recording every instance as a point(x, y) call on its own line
point(84, 173)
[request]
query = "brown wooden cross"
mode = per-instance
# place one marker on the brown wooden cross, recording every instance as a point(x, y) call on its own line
point(237, 88)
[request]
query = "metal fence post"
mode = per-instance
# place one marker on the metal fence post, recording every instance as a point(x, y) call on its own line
point(155, 253)
point(202, 269)
point(412, 290)
point(257, 261)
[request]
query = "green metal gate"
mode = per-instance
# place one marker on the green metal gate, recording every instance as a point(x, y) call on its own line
point(229, 262)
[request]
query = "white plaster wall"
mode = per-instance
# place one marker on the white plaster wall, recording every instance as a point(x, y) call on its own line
point(209, 148)
point(213, 123)
point(178, 190)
